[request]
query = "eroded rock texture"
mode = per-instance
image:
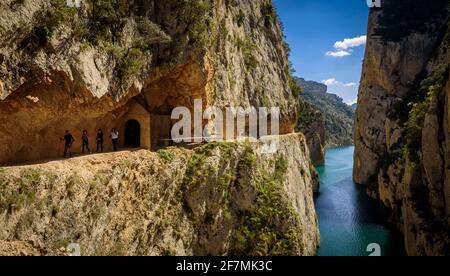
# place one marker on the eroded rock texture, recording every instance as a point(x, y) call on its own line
point(220, 199)
point(312, 124)
point(401, 134)
point(64, 68)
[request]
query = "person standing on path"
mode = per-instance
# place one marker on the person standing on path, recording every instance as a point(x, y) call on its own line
point(68, 142)
point(100, 136)
point(85, 139)
point(115, 138)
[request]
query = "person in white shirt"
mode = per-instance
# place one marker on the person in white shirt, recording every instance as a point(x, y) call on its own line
point(115, 138)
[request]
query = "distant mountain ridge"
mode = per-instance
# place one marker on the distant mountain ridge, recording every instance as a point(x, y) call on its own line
point(339, 117)
point(312, 86)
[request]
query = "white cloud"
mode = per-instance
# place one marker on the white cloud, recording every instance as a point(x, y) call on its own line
point(340, 53)
point(344, 48)
point(331, 82)
point(334, 82)
point(351, 42)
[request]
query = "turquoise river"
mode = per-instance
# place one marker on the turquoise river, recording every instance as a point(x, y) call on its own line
point(351, 223)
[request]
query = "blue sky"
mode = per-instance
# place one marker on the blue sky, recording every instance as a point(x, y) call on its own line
point(316, 31)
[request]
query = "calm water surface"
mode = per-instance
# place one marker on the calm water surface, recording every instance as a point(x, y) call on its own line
point(349, 220)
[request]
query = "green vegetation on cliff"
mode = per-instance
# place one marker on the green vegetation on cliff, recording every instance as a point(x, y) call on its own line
point(308, 115)
point(412, 111)
point(103, 25)
point(261, 230)
point(219, 199)
point(429, 88)
point(401, 141)
point(338, 116)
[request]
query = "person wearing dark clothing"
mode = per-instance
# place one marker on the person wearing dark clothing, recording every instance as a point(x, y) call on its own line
point(115, 138)
point(68, 142)
point(100, 136)
point(85, 140)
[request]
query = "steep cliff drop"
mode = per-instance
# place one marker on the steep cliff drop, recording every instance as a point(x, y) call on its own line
point(128, 64)
point(312, 124)
point(219, 199)
point(67, 68)
point(402, 127)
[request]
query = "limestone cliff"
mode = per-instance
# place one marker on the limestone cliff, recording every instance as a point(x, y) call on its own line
point(67, 68)
point(338, 116)
point(91, 67)
point(219, 199)
point(402, 131)
point(311, 122)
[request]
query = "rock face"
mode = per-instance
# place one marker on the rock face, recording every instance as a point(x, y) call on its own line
point(66, 68)
point(401, 137)
point(19, 249)
point(312, 124)
point(315, 138)
point(219, 199)
point(338, 116)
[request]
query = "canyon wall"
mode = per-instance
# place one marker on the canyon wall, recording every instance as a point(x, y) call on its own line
point(311, 122)
point(72, 69)
point(65, 68)
point(338, 116)
point(219, 199)
point(402, 131)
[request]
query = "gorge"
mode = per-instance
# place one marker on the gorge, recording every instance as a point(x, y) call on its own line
point(324, 118)
point(402, 130)
point(109, 63)
point(128, 64)
point(349, 219)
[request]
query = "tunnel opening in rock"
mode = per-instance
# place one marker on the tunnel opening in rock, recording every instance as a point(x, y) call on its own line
point(63, 104)
point(132, 134)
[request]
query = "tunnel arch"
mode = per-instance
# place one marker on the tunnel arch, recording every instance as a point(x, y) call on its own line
point(132, 134)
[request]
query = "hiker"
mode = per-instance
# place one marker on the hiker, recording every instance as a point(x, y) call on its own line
point(68, 142)
point(100, 140)
point(85, 139)
point(115, 138)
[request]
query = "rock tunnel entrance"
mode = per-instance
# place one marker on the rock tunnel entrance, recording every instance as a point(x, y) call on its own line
point(132, 134)
point(142, 117)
